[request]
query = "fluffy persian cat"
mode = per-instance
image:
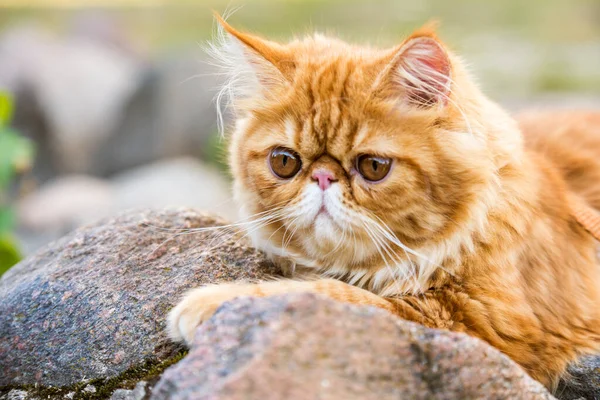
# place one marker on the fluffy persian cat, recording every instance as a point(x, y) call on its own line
point(384, 177)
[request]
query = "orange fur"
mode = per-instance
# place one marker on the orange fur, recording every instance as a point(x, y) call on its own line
point(470, 231)
point(571, 141)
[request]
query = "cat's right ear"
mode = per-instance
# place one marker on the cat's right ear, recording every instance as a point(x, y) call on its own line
point(254, 66)
point(418, 72)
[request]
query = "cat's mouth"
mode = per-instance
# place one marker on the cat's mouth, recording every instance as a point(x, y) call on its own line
point(325, 221)
point(323, 211)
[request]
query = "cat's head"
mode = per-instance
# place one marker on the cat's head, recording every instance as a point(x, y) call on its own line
point(354, 158)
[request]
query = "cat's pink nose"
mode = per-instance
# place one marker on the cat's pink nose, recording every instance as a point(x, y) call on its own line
point(324, 178)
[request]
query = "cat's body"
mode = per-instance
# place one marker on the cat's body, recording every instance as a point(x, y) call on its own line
point(390, 172)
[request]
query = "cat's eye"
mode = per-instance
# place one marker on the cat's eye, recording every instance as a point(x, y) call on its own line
point(373, 168)
point(284, 163)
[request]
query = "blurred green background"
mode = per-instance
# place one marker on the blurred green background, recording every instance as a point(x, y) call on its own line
point(117, 96)
point(515, 47)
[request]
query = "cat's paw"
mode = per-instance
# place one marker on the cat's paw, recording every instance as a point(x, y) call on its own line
point(197, 306)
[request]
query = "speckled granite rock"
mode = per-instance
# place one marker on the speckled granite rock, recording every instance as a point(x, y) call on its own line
point(137, 393)
point(583, 382)
point(84, 318)
point(92, 305)
point(308, 347)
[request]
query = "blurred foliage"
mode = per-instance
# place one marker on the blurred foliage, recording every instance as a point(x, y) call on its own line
point(516, 48)
point(16, 155)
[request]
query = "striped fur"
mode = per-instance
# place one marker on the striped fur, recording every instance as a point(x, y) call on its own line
point(470, 231)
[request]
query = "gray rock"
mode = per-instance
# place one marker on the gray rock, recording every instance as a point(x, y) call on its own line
point(583, 381)
point(103, 27)
point(89, 389)
point(137, 137)
point(15, 395)
point(113, 110)
point(83, 106)
point(137, 393)
point(67, 202)
point(188, 85)
point(92, 305)
point(80, 108)
point(85, 317)
point(183, 181)
point(308, 347)
point(171, 114)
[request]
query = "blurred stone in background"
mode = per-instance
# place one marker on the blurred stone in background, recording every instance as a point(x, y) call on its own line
point(69, 201)
point(103, 118)
point(70, 94)
point(96, 106)
point(170, 114)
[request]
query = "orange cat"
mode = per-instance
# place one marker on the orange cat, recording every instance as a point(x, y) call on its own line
point(386, 178)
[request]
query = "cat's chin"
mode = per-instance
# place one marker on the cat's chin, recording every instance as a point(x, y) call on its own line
point(325, 228)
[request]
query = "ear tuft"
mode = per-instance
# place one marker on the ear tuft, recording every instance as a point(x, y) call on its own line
point(429, 29)
point(423, 70)
point(253, 67)
point(269, 51)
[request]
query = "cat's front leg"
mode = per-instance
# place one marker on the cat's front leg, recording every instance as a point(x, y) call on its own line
point(200, 304)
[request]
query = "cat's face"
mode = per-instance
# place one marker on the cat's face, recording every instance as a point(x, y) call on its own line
point(353, 158)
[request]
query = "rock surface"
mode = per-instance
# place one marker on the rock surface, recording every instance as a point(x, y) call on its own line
point(584, 380)
point(138, 393)
point(69, 201)
point(171, 114)
point(92, 305)
point(66, 202)
point(308, 347)
point(85, 318)
point(183, 181)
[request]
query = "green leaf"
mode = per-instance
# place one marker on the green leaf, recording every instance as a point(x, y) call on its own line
point(6, 108)
point(16, 155)
point(9, 254)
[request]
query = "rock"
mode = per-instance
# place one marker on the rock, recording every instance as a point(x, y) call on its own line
point(15, 395)
point(183, 181)
point(171, 114)
point(137, 393)
point(189, 82)
point(308, 347)
point(89, 389)
point(80, 108)
point(90, 308)
point(115, 109)
point(583, 382)
point(83, 106)
point(67, 202)
point(137, 137)
point(85, 318)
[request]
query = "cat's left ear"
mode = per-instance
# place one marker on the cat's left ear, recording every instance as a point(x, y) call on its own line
point(419, 72)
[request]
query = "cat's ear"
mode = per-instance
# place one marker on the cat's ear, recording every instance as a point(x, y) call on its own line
point(255, 66)
point(420, 70)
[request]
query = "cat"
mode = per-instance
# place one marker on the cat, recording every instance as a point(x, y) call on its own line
point(384, 177)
